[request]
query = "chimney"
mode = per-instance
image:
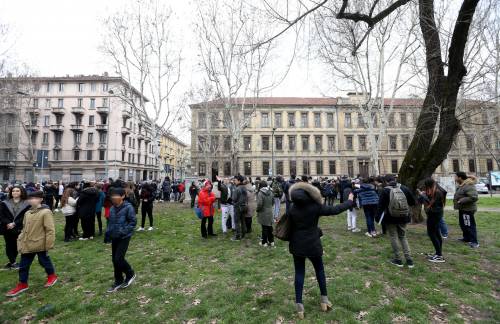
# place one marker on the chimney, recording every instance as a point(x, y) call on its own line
point(105, 74)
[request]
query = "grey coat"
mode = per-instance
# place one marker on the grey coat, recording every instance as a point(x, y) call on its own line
point(265, 207)
point(252, 201)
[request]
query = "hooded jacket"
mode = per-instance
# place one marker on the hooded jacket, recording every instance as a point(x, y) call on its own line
point(121, 222)
point(85, 206)
point(466, 195)
point(38, 233)
point(265, 200)
point(206, 201)
point(304, 213)
point(7, 215)
point(367, 194)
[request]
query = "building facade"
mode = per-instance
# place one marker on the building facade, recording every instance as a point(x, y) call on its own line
point(72, 128)
point(173, 156)
point(321, 137)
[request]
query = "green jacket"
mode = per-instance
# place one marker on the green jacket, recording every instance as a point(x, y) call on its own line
point(466, 196)
point(265, 201)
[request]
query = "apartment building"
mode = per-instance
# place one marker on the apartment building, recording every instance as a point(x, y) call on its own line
point(72, 128)
point(173, 156)
point(322, 137)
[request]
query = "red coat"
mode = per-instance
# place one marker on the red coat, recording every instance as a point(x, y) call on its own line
point(181, 187)
point(206, 200)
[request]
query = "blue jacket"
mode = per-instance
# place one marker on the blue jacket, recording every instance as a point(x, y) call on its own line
point(100, 202)
point(367, 194)
point(121, 222)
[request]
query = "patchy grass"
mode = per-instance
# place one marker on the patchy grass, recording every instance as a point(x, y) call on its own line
point(484, 201)
point(182, 277)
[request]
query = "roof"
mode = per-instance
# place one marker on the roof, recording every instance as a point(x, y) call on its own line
point(275, 101)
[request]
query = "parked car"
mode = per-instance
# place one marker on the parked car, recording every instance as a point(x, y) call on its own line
point(486, 181)
point(482, 188)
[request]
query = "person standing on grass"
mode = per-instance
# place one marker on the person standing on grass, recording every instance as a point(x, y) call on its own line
point(166, 189)
point(394, 204)
point(465, 202)
point(265, 216)
point(305, 238)
point(251, 204)
point(182, 188)
point(240, 203)
point(277, 189)
point(49, 194)
point(131, 196)
point(36, 239)
point(12, 211)
point(99, 205)
point(193, 192)
point(68, 208)
point(85, 208)
point(433, 200)
point(60, 192)
point(347, 189)
point(119, 231)
point(286, 189)
point(147, 199)
point(226, 202)
point(368, 199)
point(206, 200)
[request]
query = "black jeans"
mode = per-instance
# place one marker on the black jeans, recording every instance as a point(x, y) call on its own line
point(75, 221)
point(267, 234)
point(434, 232)
point(27, 260)
point(10, 238)
point(69, 227)
point(239, 222)
point(119, 248)
point(166, 195)
point(248, 224)
point(88, 225)
point(147, 209)
point(193, 199)
point(468, 225)
point(57, 199)
point(204, 228)
point(300, 272)
point(98, 215)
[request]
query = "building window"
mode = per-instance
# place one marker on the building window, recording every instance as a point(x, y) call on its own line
point(266, 169)
point(103, 138)
point(76, 155)
point(405, 141)
point(347, 120)
point(81, 87)
point(104, 102)
point(265, 143)
point(279, 143)
point(277, 120)
point(456, 166)
point(45, 138)
point(329, 120)
point(105, 87)
point(293, 167)
point(202, 169)
point(214, 143)
point(292, 143)
point(332, 167)
point(472, 165)
point(77, 138)
point(394, 166)
point(361, 121)
point(46, 121)
point(227, 168)
point(56, 155)
point(48, 103)
point(91, 120)
point(247, 118)
point(291, 120)
point(489, 165)
point(362, 142)
point(79, 102)
point(393, 142)
point(10, 138)
point(202, 143)
point(93, 87)
point(247, 143)
point(279, 168)
point(89, 155)
point(317, 120)
point(90, 138)
point(92, 102)
point(102, 155)
point(47, 87)
point(348, 142)
point(305, 143)
point(247, 168)
point(319, 167)
point(202, 120)
point(404, 120)
point(61, 87)
point(350, 168)
point(331, 143)
point(306, 170)
point(304, 123)
point(469, 141)
point(264, 120)
point(227, 143)
point(35, 103)
point(391, 120)
point(60, 103)
point(214, 120)
point(318, 143)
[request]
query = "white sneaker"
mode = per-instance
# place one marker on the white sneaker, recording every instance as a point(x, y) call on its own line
point(140, 229)
point(272, 244)
point(150, 228)
point(368, 234)
point(91, 238)
point(83, 239)
point(356, 230)
point(349, 228)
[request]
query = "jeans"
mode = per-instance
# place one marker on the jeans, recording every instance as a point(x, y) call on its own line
point(468, 226)
point(227, 213)
point(147, 209)
point(397, 234)
point(27, 260)
point(10, 238)
point(267, 234)
point(443, 227)
point(433, 224)
point(370, 212)
point(239, 221)
point(119, 248)
point(277, 204)
point(300, 272)
point(210, 229)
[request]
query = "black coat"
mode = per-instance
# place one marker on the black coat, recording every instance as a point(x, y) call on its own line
point(85, 206)
point(7, 216)
point(304, 213)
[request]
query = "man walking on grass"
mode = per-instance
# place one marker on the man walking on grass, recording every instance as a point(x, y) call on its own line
point(465, 202)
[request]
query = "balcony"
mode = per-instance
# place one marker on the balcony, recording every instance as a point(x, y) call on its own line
point(125, 130)
point(33, 110)
point(57, 128)
point(57, 146)
point(31, 127)
point(77, 127)
point(78, 110)
point(140, 137)
point(58, 110)
point(101, 127)
point(10, 110)
point(103, 110)
point(126, 114)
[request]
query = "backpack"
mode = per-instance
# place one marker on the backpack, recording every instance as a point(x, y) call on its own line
point(329, 190)
point(398, 204)
point(277, 189)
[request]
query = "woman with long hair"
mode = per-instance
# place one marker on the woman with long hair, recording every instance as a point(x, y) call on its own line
point(68, 204)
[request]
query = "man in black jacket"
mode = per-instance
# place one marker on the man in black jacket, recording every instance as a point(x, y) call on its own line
point(226, 203)
point(240, 202)
point(396, 224)
point(286, 189)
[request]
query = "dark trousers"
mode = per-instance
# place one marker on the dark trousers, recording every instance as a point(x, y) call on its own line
point(121, 267)
point(69, 227)
point(370, 212)
point(88, 225)
point(300, 272)
point(98, 215)
point(57, 199)
point(204, 228)
point(468, 226)
point(193, 201)
point(330, 200)
point(75, 221)
point(434, 232)
point(267, 234)
point(248, 224)
point(239, 222)
point(166, 195)
point(147, 209)
point(10, 238)
point(49, 201)
point(27, 260)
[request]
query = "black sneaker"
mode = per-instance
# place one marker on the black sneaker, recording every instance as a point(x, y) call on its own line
point(409, 263)
point(114, 288)
point(14, 266)
point(7, 266)
point(128, 281)
point(462, 240)
point(397, 263)
point(437, 259)
point(212, 234)
point(474, 245)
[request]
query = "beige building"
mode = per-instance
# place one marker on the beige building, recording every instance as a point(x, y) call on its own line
point(72, 128)
point(320, 137)
point(173, 156)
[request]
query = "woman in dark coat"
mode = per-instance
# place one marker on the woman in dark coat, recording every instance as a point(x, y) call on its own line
point(12, 212)
point(305, 237)
point(85, 209)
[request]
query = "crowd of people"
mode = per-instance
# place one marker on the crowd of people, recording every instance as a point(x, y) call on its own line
point(26, 218)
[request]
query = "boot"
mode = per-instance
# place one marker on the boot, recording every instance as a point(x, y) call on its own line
point(300, 311)
point(325, 304)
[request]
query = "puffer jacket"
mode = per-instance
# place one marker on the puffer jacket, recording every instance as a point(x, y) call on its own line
point(69, 208)
point(466, 196)
point(121, 222)
point(265, 206)
point(7, 215)
point(367, 194)
point(38, 233)
point(306, 209)
point(206, 201)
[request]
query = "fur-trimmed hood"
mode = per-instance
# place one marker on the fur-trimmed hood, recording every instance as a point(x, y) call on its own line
point(470, 181)
point(303, 193)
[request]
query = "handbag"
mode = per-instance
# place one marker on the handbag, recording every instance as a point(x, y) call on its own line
point(198, 213)
point(283, 228)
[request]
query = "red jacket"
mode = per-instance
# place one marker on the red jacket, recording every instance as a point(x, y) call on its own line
point(206, 200)
point(181, 187)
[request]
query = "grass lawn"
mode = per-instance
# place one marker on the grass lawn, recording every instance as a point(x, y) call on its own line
point(182, 278)
point(484, 201)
